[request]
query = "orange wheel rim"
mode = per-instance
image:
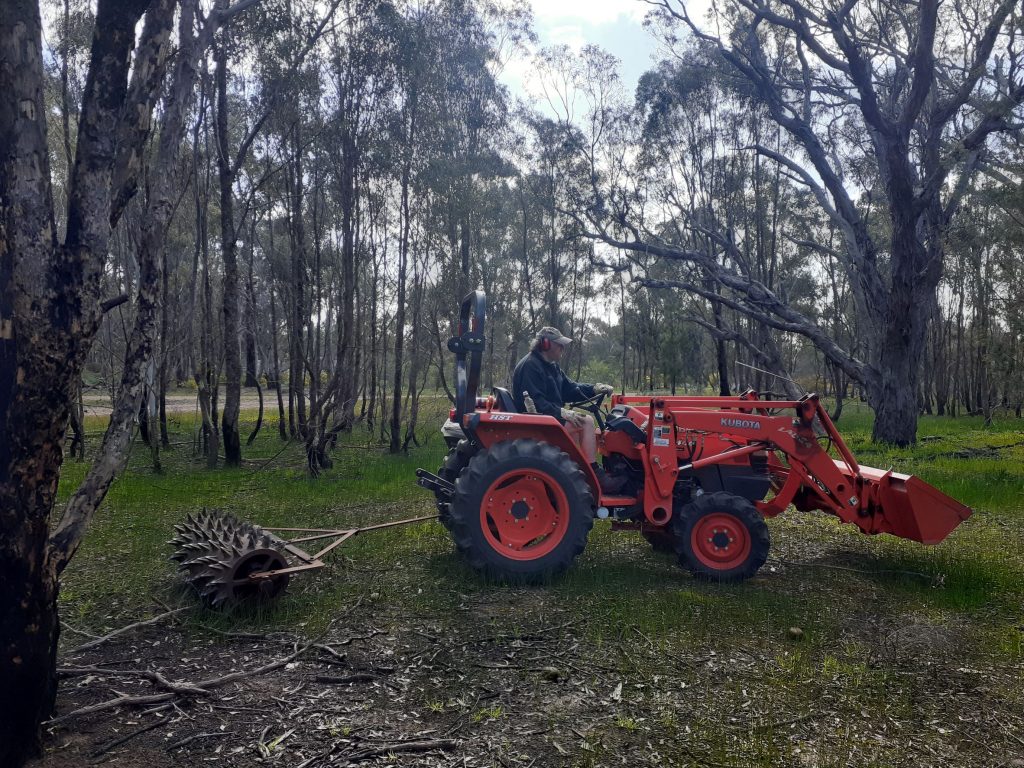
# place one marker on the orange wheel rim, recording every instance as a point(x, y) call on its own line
point(720, 541)
point(524, 514)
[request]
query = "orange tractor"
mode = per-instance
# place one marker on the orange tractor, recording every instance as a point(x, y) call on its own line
point(701, 474)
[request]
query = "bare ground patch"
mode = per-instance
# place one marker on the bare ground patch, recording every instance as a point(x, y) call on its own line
point(528, 677)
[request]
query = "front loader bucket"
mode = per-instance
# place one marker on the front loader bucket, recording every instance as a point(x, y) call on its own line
point(908, 507)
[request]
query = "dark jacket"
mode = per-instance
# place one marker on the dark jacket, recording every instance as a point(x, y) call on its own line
point(547, 385)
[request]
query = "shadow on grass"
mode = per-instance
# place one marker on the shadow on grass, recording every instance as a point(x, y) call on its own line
point(960, 579)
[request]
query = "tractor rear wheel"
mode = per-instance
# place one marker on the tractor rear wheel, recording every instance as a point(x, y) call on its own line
point(456, 460)
point(721, 537)
point(521, 512)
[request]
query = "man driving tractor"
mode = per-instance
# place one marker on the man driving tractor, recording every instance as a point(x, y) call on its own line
point(539, 376)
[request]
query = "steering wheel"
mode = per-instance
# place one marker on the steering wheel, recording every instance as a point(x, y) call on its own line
point(593, 406)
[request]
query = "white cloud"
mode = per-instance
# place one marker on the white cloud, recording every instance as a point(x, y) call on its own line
point(593, 11)
point(566, 34)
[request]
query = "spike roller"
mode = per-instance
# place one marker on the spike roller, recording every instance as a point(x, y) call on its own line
point(219, 554)
point(229, 562)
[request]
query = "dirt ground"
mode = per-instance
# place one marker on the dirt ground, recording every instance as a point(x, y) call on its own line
point(511, 677)
point(846, 650)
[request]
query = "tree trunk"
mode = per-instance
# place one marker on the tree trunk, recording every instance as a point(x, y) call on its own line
point(281, 429)
point(905, 327)
point(30, 629)
point(721, 352)
point(371, 407)
point(229, 252)
point(403, 260)
point(345, 368)
point(49, 315)
point(259, 415)
point(249, 316)
point(77, 414)
point(165, 325)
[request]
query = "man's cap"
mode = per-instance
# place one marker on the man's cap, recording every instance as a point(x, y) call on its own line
point(554, 335)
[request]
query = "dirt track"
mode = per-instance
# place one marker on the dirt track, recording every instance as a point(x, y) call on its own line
point(178, 401)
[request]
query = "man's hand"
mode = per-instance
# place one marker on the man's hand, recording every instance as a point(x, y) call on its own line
point(576, 418)
point(604, 389)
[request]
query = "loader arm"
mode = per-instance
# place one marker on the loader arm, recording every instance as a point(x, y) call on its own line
point(803, 473)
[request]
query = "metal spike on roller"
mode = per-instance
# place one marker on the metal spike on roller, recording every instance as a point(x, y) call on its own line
point(217, 553)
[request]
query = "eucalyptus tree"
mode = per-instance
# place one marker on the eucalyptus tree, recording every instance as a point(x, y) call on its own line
point(362, 74)
point(51, 306)
point(912, 92)
point(296, 31)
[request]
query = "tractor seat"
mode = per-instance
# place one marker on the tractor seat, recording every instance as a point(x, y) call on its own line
point(619, 422)
point(504, 400)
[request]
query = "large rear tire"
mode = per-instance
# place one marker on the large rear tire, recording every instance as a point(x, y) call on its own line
point(721, 537)
point(522, 511)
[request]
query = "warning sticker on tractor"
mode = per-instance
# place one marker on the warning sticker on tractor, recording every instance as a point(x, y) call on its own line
point(662, 436)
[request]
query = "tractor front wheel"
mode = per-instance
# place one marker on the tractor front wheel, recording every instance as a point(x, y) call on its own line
point(721, 537)
point(521, 512)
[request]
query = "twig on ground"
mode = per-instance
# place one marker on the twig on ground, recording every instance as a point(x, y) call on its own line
point(359, 677)
point(201, 687)
point(100, 640)
point(148, 674)
point(81, 632)
point(195, 737)
point(770, 726)
point(127, 737)
point(407, 747)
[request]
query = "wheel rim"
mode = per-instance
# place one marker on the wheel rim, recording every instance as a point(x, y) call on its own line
point(524, 514)
point(244, 589)
point(720, 541)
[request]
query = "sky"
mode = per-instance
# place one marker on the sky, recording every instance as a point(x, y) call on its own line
point(614, 25)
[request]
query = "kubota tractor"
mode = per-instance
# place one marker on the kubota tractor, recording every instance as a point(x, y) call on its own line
point(701, 473)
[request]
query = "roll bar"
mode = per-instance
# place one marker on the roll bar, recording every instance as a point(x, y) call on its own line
point(468, 347)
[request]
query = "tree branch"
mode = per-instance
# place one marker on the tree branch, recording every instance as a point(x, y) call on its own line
point(137, 113)
point(759, 302)
point(923, 64)
point(946, 108)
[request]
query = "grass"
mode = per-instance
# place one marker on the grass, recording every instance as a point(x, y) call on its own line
point(888, 626)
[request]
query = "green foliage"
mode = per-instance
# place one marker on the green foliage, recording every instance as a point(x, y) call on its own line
point(870, 608)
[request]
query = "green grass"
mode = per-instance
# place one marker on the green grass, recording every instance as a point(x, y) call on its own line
point(877, 613)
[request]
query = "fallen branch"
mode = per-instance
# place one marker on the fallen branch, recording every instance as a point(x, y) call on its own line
point(194, 689)
point(127, 737)
point(325, 647)
point(359, 677)
point(200, 688)
point(100, 640)
point(407, 747)
point(195, 737)
point(148, 674)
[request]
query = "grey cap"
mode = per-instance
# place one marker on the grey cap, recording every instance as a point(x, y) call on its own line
point(554, 335)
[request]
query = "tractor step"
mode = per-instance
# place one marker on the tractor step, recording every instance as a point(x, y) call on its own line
point(615, 501)
point(432, 482)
